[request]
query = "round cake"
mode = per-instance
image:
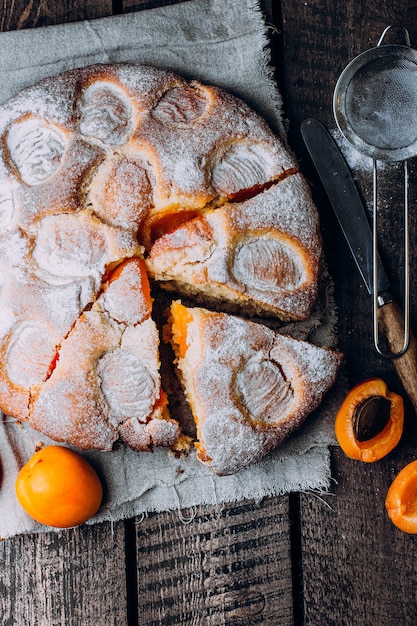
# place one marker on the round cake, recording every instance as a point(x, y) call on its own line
point(112, 174)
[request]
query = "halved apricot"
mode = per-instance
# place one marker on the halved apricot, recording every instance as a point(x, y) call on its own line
point(370, 421)
point(141, 281)
point(401, 499)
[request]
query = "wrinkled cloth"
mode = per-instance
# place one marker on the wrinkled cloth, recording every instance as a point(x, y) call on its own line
point(225, 43)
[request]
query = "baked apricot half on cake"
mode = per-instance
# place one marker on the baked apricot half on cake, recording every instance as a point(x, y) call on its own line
point(260, 256)
point(115, 390)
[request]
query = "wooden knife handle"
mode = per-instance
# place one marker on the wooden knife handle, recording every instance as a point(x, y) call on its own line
point(391, 322)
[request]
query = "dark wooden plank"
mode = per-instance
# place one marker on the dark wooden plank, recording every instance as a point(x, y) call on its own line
point(71, 577)
point(21, 14)
point(229, 565)
point(357, 567)
point(134, 5)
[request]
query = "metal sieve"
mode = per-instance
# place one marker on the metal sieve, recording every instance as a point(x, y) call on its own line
point(375, 107)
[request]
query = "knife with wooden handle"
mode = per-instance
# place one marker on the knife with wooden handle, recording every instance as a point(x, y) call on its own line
point(344, 197)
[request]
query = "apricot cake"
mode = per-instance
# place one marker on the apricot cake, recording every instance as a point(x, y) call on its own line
point(249, 387)
point(109, 174)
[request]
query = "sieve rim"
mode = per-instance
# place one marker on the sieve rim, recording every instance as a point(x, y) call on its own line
point(403, 52)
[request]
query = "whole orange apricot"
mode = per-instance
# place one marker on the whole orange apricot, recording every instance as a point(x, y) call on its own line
point(58, 487)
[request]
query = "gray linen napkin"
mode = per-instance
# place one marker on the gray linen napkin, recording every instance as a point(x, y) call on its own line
point(223, 42)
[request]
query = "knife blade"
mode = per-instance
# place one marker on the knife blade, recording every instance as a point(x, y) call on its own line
point(344, 197)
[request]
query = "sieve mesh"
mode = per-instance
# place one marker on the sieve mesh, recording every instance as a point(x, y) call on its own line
point(381, 103)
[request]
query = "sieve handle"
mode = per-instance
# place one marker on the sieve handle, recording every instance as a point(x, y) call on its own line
point(391, 321)
point(405, 33)
point(405, 324)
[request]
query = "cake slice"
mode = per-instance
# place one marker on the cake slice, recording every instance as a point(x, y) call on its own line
point(248, 386)
point(114, 390)
point(260, 256)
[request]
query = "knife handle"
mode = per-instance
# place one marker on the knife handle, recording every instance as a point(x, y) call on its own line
point(391, 321)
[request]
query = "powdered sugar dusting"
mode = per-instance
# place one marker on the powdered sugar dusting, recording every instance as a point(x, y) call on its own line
point(262, 385)
point(356, 160)
point(187, 153)
point(127, 385)
point(124, 300)
point(106, 113)
point(36, 148)
point(267, 264)
point(122, 193)
point(142, 341)
point(69, 247)
point(163, 432)
point(29, 354)
point(182, 105)
point(7, 207)
point(242, 166)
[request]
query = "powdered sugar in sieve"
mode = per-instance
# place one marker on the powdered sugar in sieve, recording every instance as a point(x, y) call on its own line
point(380, 102)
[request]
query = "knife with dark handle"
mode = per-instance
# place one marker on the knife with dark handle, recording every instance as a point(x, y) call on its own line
point(344, 197)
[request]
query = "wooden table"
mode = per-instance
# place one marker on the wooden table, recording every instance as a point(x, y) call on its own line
point(298, 559)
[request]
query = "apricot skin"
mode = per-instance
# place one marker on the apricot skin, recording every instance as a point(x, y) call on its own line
point(58, 487)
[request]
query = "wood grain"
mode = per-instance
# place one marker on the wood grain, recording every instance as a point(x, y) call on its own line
point(360, 569)
point(229, 566)
point(74, 577)
point(29, 14)
point(134, 5)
